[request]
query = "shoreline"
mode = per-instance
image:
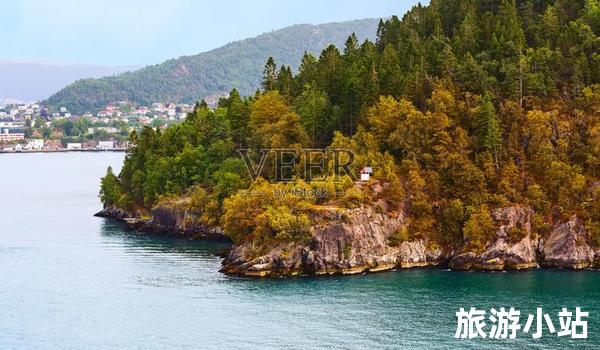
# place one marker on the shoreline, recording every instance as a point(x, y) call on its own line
point(152, 227)
point(251, 270)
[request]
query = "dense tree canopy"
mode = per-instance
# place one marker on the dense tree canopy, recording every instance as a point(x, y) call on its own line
point(463, 106)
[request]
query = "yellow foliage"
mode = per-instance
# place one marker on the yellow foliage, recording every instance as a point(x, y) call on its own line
point(479, 229)
point(274, 124)
point(269, 211)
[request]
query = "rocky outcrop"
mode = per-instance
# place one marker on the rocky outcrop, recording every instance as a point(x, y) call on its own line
point(178, 218)
point(114, 213)
point(169, 219)
point(567, 245)
point(350, 242)
point(361, 244)
point(512, 248)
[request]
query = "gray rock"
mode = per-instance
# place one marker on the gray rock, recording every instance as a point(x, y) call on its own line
point(567, 245)
point(359, 243)
point(166, 220)
point(503, 253)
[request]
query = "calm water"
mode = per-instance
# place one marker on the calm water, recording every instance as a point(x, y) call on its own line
point(69, 280)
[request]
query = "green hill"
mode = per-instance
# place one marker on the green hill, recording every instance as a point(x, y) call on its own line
point(189, 78)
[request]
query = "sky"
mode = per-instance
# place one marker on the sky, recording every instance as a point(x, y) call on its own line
point(142, 32)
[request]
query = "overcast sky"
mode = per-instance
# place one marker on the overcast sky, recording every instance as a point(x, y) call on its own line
point(140, 32)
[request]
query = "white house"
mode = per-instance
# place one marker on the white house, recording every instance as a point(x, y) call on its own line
point(34, 144)
point(106, 145)
point(108, 129)
point(74, 146)
point(366, 173)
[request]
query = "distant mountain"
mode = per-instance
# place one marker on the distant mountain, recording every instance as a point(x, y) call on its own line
point(27, 82)
point(189, 78)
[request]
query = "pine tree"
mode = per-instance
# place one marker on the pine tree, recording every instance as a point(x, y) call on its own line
point(331, 72)
point(528, 15)
point(468, 32)
point(269, 81)
point(509, 29)
point(488, 127)
point(381, 43)
point(548, 27)
point(238, 114)
point(351, 45)
point(308, 71)
point(285, 82)
point(312, 105)
point(591, 14)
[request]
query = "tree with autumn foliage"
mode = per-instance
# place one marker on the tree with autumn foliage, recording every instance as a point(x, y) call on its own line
point(460, 107)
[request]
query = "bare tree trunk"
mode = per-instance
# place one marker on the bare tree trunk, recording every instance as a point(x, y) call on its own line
point(496, 160)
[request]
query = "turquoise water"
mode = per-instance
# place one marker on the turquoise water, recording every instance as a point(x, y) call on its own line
point(69, 280)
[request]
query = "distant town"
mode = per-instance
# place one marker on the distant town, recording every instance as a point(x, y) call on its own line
point(29, 127)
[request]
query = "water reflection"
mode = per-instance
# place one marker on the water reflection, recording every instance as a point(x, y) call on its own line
point(388, 310)
point(152, 261)
point(115, 233)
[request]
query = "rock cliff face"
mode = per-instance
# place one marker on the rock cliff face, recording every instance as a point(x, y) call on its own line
point(512, 248)
point(358, 240)
point(361, 244)
point(567, 245)
point(172, 219)
point(355, 242)
point(180, 220)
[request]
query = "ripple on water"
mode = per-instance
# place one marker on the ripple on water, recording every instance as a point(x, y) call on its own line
point(70, 281)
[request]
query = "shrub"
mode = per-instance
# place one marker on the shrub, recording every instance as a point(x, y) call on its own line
point(516, 234)
point(347, 250)
point(352, 198)
point(593, 228)
point(479, 229)
point(399, 236)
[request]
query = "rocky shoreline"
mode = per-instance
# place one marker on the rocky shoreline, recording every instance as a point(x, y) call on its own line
point(165, 222)
point(360, 244)
point(357, 241)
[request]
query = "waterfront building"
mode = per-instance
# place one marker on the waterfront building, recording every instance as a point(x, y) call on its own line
point(106, 145)
point(72, 146)
point(34, 144)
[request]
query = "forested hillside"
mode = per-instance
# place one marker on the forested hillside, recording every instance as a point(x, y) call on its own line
point(460, 107)
point(189, 78)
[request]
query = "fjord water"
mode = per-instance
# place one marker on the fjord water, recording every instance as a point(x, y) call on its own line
point(69, 280)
